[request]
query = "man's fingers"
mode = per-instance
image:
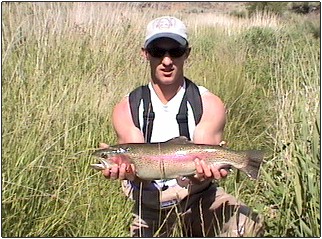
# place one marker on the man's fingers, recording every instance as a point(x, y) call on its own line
point(130, 172)
point(200, 175)
point(203, 170)
point(215, 172)
point(106, 173)
point(122, 171)
point(103, 146)
point(223, 173)
point(199, 169)
point(126, 172)
point(206, 169)
point(114, 172)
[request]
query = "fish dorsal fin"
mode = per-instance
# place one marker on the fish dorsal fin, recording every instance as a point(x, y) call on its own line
point(179, 140)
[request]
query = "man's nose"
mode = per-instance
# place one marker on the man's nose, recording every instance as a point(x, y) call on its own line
point(166, 60)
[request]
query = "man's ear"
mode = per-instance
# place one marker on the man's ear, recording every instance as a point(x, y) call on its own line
point(144, 54)
point(188, 52)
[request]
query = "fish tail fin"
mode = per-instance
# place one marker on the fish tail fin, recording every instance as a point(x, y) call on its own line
point(254, 159)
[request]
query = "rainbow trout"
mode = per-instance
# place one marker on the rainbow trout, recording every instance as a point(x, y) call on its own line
point(175, 158)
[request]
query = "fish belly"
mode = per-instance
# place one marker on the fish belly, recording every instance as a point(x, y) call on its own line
point(176, 168)
point(164, 167)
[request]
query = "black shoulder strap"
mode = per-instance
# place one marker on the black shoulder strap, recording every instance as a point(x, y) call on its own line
point(148, 115)
point(134, 100)
point(135, 97)
point(192, 95)
point(194, 98)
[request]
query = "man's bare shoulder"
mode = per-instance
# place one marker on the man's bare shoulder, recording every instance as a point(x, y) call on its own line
point(123, 124)
point(212, 101)
point(121, 113)
point(212, 123)
point(122, 107)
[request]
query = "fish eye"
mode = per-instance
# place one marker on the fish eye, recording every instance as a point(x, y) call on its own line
point(104, 155)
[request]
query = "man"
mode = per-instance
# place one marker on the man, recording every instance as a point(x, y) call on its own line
point(195, 203)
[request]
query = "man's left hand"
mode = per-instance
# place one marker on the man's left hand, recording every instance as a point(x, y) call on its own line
point(205, 171)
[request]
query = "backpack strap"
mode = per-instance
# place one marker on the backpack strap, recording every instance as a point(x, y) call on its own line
point(134, 101)
point(142, 92)
point(182, 118)
point(148, 114)
point(194, 98)
point(192, 95)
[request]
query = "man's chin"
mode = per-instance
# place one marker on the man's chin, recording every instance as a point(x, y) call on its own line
point(167, 78)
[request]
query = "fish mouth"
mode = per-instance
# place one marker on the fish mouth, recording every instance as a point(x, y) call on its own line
point(100, 165)
point(101, 156)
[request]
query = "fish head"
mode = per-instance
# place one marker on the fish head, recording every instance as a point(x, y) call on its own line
point(111, 151)
point(113, 155)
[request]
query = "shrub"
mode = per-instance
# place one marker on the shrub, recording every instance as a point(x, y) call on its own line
point(276, 7)
point(238, 14)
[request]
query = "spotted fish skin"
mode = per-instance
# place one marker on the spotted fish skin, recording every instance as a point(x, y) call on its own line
point(176, 157)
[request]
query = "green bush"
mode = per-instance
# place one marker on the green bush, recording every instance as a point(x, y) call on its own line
point(238, 14)
point(314, 27)
point(305, 7)
point(260, 43)
point(275, 7)
point(260, 38)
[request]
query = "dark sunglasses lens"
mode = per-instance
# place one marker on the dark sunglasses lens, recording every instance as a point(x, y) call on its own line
point(157, 52)
point(177, 52)
point(160, 52)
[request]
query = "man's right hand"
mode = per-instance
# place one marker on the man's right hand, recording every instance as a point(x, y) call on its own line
point(122, 171)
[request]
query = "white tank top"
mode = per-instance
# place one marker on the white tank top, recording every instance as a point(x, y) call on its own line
point(165, 124)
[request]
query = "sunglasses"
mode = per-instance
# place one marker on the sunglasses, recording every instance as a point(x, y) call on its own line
point(173, 52)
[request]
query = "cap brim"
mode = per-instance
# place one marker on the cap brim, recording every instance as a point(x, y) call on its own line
point(182, 41)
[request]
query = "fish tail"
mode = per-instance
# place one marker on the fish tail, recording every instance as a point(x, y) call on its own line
point(254, 159)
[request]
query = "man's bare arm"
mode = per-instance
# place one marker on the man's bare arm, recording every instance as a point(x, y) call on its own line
point(210, 131)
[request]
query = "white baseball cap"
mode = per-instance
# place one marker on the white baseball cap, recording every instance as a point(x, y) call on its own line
point(166, 26)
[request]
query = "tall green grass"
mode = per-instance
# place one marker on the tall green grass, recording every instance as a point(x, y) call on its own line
point(293, 188)
point(65, 65)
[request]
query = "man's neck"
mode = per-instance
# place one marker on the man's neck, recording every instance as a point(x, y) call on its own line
point(166, 92)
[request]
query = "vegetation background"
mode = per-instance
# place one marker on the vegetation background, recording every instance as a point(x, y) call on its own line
point(65, 65)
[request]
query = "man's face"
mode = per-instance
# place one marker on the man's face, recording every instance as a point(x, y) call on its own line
point(166, 58)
